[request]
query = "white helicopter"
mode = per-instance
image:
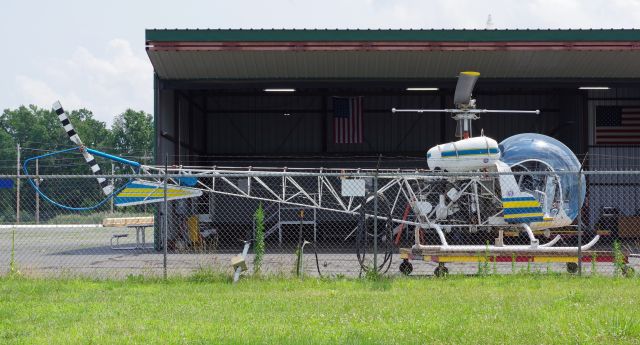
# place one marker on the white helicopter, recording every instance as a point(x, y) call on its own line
point(535, 189)
point(476, 185)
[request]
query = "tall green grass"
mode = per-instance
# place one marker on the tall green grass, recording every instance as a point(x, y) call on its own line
point(207, 309)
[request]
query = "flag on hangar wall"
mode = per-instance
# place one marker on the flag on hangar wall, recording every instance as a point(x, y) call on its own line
point(617, 125)
point(347, 120)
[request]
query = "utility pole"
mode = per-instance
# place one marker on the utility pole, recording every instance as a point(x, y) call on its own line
point(18, 185)
point(37, 194)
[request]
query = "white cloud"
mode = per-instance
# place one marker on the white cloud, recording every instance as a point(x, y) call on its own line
point(106, 85)
point(40, 93)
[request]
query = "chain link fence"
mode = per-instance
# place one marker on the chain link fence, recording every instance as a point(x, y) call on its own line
point(328, 223)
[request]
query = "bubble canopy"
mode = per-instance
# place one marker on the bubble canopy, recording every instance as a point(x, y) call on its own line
point(532, 149)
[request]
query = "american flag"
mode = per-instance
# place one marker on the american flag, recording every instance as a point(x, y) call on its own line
point(347, 120)
point(616, 125)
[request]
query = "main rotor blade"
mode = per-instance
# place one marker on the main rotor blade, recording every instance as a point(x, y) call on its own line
point(64, 119)
point(107, 188)
point(464, 87)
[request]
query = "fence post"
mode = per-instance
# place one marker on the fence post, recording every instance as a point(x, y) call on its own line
point(37, 194)
point(579, 223)
point(113, 183)
point(18, 185)
point(375, 223)
point(165, 220)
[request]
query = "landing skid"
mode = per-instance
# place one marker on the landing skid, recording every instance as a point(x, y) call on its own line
point(499, 247)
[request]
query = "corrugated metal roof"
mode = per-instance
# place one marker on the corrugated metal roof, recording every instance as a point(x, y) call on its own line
point(393, 54)
point(331, 35)
point(249, 65)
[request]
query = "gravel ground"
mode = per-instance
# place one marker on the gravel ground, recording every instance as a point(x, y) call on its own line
point(59, 251)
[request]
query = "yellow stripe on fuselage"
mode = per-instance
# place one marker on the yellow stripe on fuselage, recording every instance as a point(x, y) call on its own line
point(151, 192)
point(518, 204)
point(154, 194)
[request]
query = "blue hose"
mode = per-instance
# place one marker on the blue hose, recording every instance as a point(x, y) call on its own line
point(66, 207)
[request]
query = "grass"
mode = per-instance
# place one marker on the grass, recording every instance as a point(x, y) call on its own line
point(207, 309)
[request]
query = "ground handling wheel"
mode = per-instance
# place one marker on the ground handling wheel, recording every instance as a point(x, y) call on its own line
point(406, 267)
point(572, 267)
point(441, 270)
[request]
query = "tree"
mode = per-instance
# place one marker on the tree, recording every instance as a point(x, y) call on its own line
point(132, 133)
point(7, 152)
point(32, 127)
point(38, 130)
point(93, 133)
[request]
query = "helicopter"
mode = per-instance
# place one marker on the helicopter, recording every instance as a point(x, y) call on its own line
point(526, 182)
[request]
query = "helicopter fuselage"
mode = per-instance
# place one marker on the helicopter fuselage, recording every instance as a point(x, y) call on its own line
point(464, 155)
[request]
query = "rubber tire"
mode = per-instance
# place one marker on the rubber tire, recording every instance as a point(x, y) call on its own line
point(572, 267)
point(628, 271)
point(441, 271)
point(406, 267)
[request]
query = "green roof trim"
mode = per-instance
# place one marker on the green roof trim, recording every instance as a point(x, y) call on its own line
point(282, 35)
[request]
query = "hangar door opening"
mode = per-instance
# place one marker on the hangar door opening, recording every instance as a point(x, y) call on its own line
point(253, 127)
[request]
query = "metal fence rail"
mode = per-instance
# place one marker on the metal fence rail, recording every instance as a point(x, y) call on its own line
point(327, 223)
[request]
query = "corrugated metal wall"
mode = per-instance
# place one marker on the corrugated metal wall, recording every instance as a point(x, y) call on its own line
point(617, 190)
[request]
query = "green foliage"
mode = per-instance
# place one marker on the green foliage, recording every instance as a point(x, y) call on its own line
point(94, 133)
point(618, 259)
point(258, 245)
point(7, 152)
point(483, 262)
point(373, 275)
point(132, 131)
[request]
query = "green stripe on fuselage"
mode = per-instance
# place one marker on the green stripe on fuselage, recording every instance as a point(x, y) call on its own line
point(474, 152)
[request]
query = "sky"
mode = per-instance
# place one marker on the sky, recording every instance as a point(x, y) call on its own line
point(91, 54)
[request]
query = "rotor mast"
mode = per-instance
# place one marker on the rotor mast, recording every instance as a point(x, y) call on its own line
point(465, 110)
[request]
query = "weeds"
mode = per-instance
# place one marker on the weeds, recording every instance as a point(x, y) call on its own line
point(258, 245)
point(483, 262)
point(618, 260)
point(13, 267)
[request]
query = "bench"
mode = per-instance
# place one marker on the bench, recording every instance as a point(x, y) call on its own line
point(138, 223)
